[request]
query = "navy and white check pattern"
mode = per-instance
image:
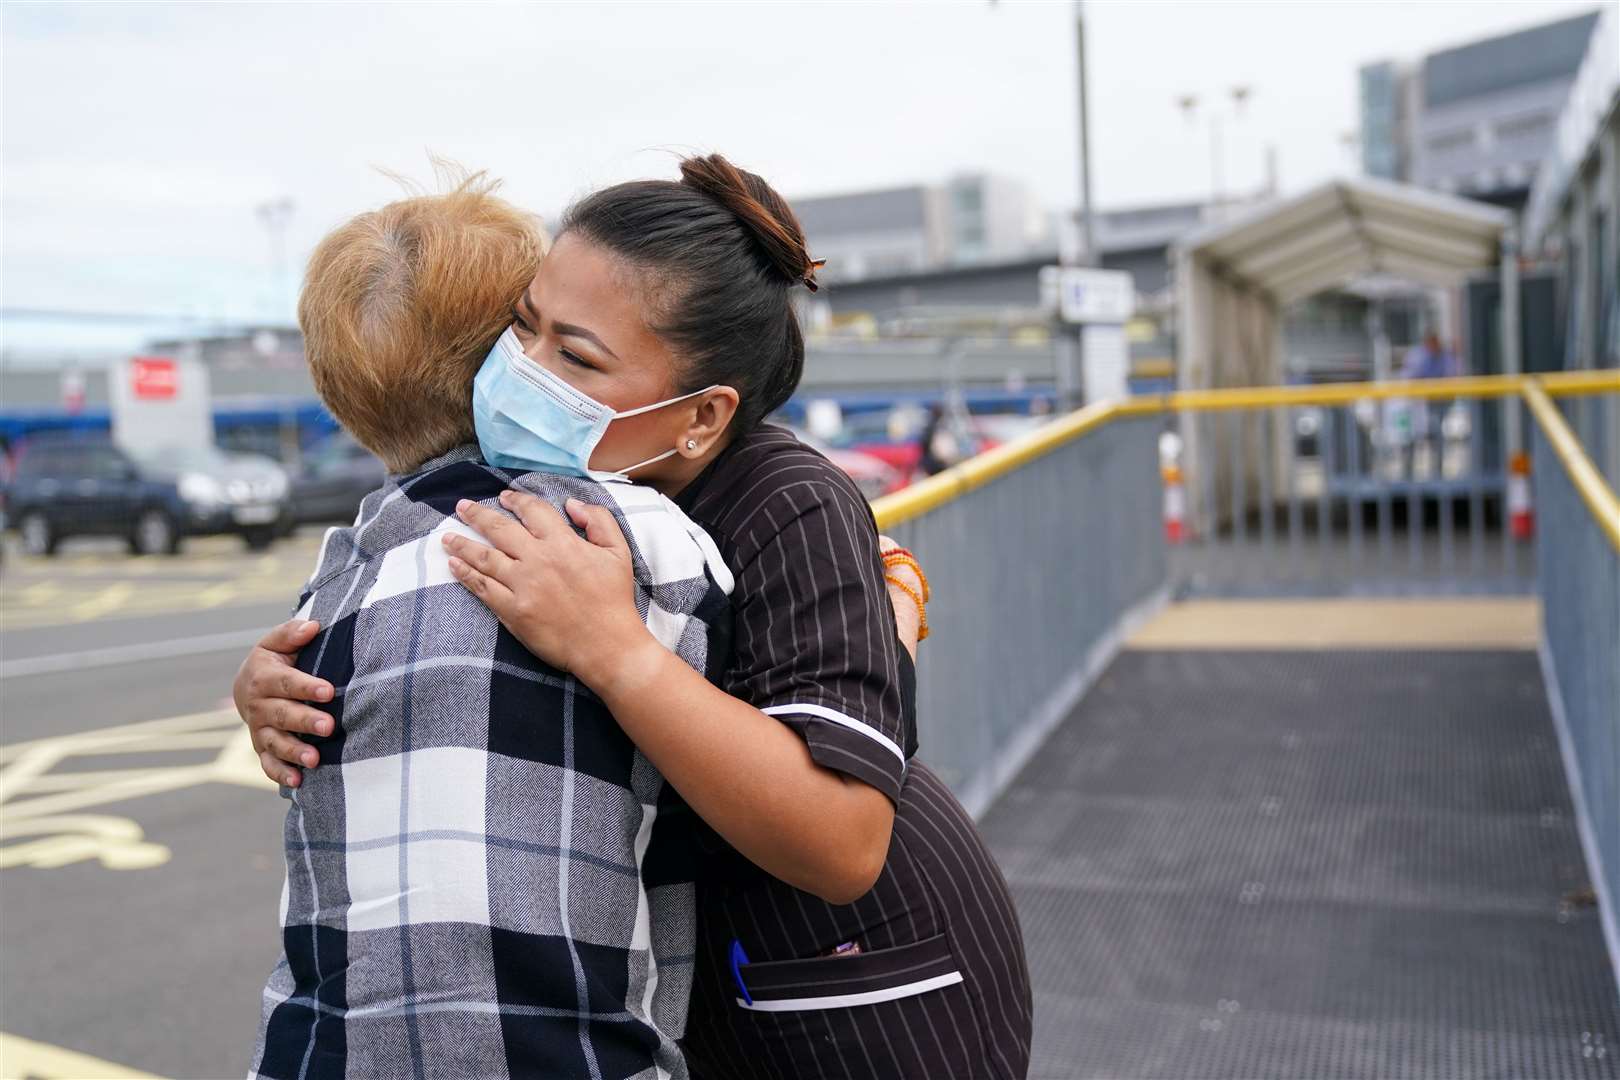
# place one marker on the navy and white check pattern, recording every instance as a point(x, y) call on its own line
point(485, 878)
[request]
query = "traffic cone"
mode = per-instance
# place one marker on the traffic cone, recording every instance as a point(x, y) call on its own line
point(1175, 506)
point(1521, 513)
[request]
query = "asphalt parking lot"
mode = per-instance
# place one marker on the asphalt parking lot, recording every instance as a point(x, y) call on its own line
point(140, 865)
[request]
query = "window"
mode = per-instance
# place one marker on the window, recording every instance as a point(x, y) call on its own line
point(1524, 127)
point(1448, 141)
point(105, 464)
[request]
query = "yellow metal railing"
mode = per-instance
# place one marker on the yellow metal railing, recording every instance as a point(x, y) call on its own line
point(1588, 482)
point(1535, 390)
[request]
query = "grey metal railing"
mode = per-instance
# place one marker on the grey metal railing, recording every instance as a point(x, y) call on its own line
point(1036, 575)
point(1579, 577)
point(1376, 497)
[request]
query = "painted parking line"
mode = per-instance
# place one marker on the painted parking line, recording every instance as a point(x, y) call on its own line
point(143, 652)
point(43, 819)
point(20, 1057)
point(123, 601)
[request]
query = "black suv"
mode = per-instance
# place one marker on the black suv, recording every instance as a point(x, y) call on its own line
point(66, 486)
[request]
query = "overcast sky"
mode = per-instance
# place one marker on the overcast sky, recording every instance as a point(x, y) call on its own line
point(139, 138)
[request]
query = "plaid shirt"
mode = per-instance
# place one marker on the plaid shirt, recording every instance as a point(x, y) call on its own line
point(485, 878)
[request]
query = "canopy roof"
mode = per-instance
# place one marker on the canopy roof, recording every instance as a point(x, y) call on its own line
point(1348, 229)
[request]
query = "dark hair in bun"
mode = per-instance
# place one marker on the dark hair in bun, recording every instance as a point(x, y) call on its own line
point(722, 251)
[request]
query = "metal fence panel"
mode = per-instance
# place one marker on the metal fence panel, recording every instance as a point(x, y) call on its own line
point(1032, 576)
point(1580, 596)
point(1376, 497)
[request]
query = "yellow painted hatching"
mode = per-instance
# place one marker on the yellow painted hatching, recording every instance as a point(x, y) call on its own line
point(21, 1057)
point(42, 820)
point(1454, 623)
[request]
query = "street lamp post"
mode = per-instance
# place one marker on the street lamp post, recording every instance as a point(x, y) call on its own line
point(1088, 238)
point(1188, 104)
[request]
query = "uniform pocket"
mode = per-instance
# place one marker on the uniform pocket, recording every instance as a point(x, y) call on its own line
point(841, 982)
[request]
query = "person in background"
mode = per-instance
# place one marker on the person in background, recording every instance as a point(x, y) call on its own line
point(938, 447)
point(1429, 359)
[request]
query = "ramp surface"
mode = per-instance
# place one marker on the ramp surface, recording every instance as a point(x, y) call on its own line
point(1291, 864)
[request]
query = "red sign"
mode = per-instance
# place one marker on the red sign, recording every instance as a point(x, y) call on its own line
point(156, 378)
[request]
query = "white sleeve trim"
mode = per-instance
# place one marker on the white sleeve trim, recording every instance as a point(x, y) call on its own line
point(821, 712)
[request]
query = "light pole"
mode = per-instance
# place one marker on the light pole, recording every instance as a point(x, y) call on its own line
point(274, 215)
point(1088, 249)
point(1188, 104)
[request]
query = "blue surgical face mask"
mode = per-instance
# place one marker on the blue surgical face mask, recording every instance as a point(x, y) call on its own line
point(527, 418)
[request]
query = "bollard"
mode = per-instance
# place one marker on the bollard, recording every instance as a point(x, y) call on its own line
point(1175, 505)
point(1521, 512)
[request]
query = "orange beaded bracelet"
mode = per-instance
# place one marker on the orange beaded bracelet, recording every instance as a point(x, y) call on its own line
point(922, 605)
point(902, 557)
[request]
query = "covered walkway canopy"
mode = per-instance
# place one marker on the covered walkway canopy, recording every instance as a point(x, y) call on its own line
point(1234, 277)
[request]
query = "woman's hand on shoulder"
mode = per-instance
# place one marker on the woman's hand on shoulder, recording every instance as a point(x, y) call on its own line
point(270, 695)
point(569, 600)
point(908, 613)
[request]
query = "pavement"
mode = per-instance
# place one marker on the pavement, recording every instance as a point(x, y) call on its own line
point(140, 864)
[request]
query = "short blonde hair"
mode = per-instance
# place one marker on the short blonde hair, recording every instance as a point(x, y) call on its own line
point(401, 305)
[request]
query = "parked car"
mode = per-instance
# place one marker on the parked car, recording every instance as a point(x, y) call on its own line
point(897, 444)
point(77, 486)
point(332, 479)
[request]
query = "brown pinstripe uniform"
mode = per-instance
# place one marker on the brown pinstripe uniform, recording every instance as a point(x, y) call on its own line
point(936, 984)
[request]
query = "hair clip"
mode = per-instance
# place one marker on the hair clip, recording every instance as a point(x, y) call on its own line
point(809, 278)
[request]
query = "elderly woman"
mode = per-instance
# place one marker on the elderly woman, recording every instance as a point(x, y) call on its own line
point(851, 921)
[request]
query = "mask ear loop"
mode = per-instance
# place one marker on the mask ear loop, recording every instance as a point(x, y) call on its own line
point(660, 404)
point(691, 444)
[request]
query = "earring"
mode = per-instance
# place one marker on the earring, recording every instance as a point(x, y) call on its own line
point(691, 444)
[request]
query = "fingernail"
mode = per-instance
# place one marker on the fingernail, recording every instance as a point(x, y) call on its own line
point(323, 727)
point(323, 693)
point(306, 626)
point(450, 541)
point(456, 565)
point(463, 505)
point(505, 497)
point(291, 779)
point(310, 759)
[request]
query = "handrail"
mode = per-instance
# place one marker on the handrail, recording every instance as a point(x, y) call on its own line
point(976, 472)
point(1557, 384)
point(1583, 474)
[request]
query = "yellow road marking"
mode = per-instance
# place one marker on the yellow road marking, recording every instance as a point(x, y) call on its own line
point(107, 600)
point(42, 593)
point(20, 1057)
point(216, 595)
point(151, 599)
point(40, 822)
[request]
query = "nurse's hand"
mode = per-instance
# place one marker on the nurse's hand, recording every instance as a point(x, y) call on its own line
point(569, 599)
point(907, 616)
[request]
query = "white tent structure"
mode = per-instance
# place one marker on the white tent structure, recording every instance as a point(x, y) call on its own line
point(1233, 278)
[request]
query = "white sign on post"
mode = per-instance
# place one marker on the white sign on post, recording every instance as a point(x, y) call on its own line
point(1100, 302)
point(1089, 295)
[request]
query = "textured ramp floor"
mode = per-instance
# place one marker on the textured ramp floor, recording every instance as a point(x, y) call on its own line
point(1292, 864)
